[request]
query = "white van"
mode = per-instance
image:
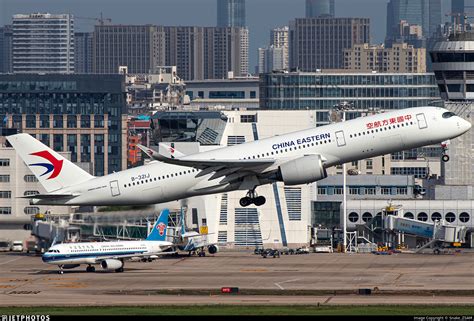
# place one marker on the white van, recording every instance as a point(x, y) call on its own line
point(17, 246)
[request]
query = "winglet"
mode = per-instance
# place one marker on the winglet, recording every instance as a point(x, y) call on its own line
point(158, 233)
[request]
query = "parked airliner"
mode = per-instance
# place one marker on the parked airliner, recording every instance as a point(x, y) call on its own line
point(296, 158)
point(110, 255)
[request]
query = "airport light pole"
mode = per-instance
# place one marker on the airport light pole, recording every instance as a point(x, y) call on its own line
point(343, 107)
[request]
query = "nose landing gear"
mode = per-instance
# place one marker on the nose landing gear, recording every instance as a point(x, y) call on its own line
point(252, 198)
point(445, 157)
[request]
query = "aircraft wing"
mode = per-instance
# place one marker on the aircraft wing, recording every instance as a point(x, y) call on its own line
point(221, 167)
point(129, 256)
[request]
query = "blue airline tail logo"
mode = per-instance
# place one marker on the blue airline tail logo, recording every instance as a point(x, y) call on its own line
point(158, 233)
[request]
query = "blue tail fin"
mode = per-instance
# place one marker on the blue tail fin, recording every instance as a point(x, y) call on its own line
point(158, 233)
point(182, 222)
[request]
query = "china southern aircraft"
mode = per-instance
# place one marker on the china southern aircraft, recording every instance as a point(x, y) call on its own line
point(296, 158)
point(110, 255)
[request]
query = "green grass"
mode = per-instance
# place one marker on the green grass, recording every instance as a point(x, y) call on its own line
point(244, 310)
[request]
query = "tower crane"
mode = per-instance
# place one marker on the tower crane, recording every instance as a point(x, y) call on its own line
point(100, 20)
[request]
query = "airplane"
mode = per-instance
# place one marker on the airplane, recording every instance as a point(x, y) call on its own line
point(192, 241)
point(110, 255)
point(296, 158)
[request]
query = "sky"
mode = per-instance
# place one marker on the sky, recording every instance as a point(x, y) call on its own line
point(262, 15)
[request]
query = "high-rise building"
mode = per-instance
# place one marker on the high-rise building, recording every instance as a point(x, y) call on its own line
point(85, 115)
point(43, 43)
point(459, 7)
point(318, 43)
point(401, 57)
point(198, 52)
point(276, 56)
point(6, 40)
point(425, 13)
point(139, 47)
point(83, 52)
point(272, 58)
point(207, 52)
point(231, 13)
point(320, 8)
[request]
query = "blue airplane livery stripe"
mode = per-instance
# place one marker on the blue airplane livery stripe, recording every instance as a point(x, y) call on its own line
point(49, 258)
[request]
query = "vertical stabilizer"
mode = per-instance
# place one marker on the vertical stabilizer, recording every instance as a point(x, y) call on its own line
point(52, 170)
point(158, 233)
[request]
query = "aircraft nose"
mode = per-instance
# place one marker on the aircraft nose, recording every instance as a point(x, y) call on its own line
point(465, 125)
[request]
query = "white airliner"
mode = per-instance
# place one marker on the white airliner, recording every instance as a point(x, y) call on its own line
point(110, 255)
point(296, 158)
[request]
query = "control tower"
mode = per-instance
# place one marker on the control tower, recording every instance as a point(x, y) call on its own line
point(453, 64)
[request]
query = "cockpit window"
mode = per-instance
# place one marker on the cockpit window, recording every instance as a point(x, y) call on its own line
point(448, 114)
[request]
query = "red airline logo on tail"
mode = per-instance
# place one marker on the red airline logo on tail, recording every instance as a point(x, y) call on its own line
point(55, 166)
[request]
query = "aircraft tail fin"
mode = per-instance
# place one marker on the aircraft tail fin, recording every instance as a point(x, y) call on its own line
point(182, 222)
point(158, 233)
point(52, 170)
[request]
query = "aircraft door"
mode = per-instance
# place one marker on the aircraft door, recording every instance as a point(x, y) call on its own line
point(421, 121)
point(114, 188)
point(341, 140)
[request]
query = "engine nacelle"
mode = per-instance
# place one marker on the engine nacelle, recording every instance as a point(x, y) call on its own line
point(111, 264)
point(304, 170)
point(213, 249)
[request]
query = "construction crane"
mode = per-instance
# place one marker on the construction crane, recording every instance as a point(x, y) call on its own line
point(100, 20)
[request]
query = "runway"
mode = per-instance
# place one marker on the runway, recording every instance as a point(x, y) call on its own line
point(292, 279)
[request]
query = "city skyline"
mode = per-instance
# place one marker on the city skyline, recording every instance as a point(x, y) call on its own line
point(157, 12)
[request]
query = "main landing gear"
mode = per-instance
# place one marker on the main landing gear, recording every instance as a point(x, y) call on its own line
point(445, 157)
point(252, 198)
point(90, 268)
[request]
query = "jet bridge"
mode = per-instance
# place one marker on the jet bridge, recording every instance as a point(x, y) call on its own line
point(391, 227)
point(438, 233)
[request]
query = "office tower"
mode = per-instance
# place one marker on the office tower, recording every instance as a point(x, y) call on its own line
point(425, 13)
point(320, 8)
point(83, 52)
point(231, 13)
point(43, 43)
point(85, 115)
point(401, 57)
point(139, 47)
point(275, 56)
point(207, 52)
point(6, 40)
point(318, 43)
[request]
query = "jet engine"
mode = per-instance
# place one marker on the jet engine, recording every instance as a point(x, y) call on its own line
point(111, 264)
point(303, 170)
point(213, 249)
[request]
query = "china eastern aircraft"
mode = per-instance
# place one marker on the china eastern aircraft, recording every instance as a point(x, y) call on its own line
point(296, 158)
point(110, 255)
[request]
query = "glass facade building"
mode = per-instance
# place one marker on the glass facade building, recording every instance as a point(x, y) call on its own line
point(231, 13)
point(425, 13)
point(82, 114)
point(321, 91)
point(320, 8)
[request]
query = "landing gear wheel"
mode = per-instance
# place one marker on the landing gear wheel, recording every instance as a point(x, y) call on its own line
point(259, 201)
point(90, 269)
point(119, 270)
point(445, 158)
point(245, 201)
